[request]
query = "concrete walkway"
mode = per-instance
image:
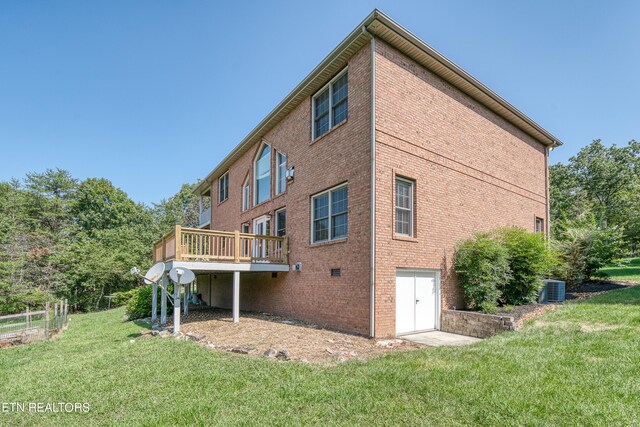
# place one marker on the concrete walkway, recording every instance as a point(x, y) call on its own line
point(439, 339)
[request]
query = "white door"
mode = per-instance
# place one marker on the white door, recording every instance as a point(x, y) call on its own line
point(261, 226)
point(416, 301)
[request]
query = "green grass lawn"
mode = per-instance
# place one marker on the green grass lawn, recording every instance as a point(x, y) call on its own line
point(578, 365)
point(627, 269)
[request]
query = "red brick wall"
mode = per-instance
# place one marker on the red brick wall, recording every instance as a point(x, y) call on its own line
point(342, 155)
point(473, 171)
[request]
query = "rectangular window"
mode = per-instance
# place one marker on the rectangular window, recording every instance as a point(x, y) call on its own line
point(245, 227)
point(281, 222)
point(539, 225)
point(223, 187)
point(329, 215)
point(245, 195)
point(331, 105)
point(404, 207)
point(281, 173)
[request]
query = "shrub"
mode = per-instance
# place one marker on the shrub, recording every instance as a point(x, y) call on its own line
point(139, 305)
point(482, 267)
point(529, 261)
point(584, 250)
point(122, 298)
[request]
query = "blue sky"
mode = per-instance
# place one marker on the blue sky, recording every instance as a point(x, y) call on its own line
point(151, 94)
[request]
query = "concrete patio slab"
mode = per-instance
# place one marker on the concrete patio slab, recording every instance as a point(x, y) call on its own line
point(440, 339)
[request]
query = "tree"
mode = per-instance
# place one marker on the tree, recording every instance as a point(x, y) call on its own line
point(598, 186)
point(181, 208)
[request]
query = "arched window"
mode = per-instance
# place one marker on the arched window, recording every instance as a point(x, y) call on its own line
point(262, 175)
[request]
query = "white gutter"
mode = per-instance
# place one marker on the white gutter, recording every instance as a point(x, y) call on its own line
point(372, 274)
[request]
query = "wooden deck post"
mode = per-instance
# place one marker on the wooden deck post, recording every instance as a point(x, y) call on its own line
point(163, 299)
point(154, 301)
point(178, 237)
point(285, 250)
point(46, 320)
point(236, 247)
point(236, 297)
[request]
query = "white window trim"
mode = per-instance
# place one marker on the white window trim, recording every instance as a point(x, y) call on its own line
point(255, 174)
point(313, 219)
point(224, 176)
point(412, 185)
point(278, 177)
point(276, 222)
point(246, 198)
point(313, 103)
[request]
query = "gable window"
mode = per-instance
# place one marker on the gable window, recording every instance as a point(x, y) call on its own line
point(539, 225)
point(329, 215)
point(281, 173)
point(245, 195)
point(404, 207)
point(223, 187)
point(262, 174)
point(281, 222)
point(331, 105)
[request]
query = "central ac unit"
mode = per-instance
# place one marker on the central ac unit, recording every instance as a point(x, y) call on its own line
point(554, 290)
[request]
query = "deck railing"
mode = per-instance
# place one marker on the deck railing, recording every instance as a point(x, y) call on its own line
point(192, 244)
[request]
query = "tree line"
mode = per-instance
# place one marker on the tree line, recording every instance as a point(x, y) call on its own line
point(62, 237)
point(65, 238)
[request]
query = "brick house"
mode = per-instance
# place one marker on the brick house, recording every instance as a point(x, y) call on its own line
point(343, 206)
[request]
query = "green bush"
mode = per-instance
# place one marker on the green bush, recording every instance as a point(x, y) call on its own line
point(529, 261)
point(584, 250)
point(482, 268)
point(122, 298)
point(139, 305)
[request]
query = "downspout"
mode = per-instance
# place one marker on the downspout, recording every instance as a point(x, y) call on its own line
point(372, 273)
point(547, 193)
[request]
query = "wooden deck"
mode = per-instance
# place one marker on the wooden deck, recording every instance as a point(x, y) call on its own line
point(197, 245)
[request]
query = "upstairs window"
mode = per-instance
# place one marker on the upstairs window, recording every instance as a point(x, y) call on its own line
point(329, 215)
point(245, 195)
point(539, 225)
point(262, 174)
point(281, 173)
point(223, 187)
point(330, 105)
point(281, 222)
point(404, 207)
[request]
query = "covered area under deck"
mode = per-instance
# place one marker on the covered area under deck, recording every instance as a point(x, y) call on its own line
point(211, 251)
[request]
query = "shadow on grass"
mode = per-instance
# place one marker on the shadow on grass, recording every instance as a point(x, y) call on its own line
point(143, 324)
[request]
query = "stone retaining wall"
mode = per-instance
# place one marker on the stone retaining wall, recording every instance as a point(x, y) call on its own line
point(475, 324)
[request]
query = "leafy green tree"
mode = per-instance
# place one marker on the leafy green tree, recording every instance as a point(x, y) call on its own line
point(183, 208)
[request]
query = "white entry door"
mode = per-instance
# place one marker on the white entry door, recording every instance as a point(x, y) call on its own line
point(417, 301)
point(261, 226)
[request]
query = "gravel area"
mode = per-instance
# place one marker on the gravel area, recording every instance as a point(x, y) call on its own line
point(279, 338)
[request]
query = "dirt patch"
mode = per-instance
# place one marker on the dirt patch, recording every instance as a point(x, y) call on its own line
point(279, 338)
